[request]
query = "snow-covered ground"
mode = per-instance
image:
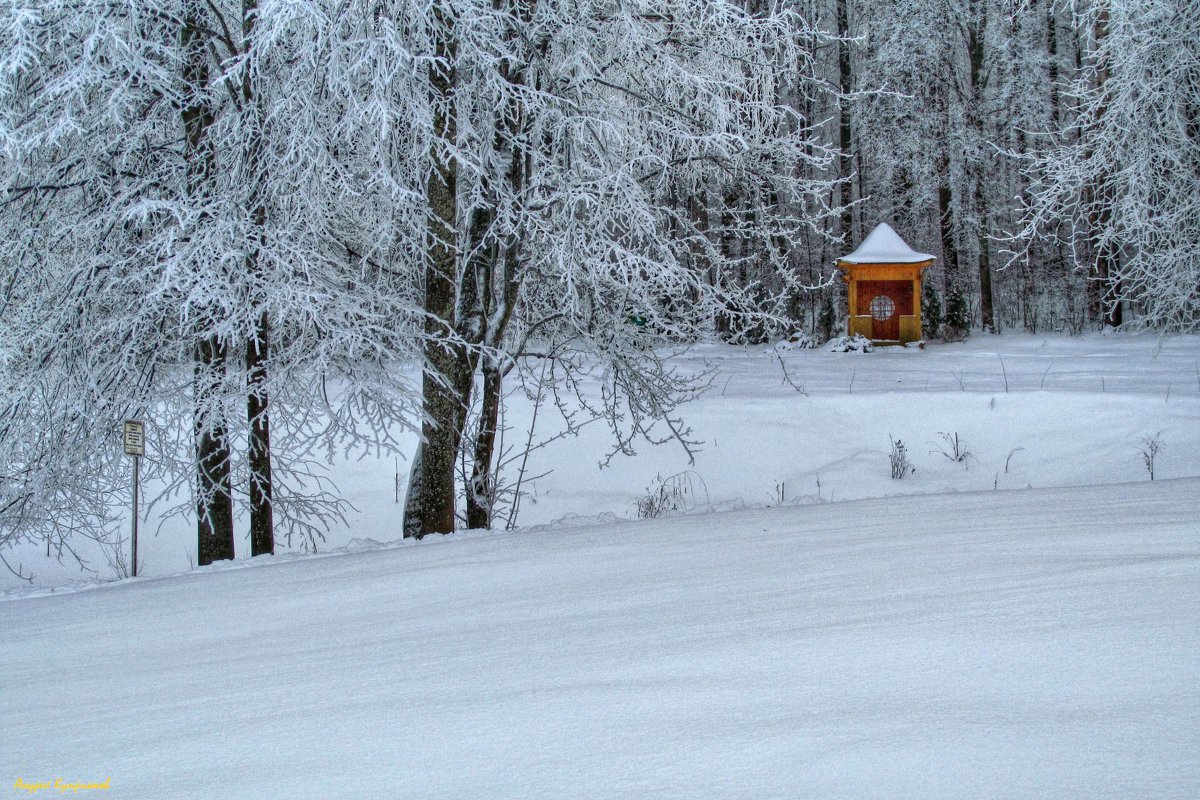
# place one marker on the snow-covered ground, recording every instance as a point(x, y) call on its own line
point(1025, 623)
point(1012, 644)
point(1076, 412)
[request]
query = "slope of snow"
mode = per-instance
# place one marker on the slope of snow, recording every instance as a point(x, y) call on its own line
point(1000, 644)
point(884, 246)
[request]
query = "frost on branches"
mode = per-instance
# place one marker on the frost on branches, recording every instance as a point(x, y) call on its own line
point(581, 159)
point(239, 220)
point(1123, 192)
point(188, 239)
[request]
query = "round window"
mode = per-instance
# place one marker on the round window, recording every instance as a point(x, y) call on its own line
point(882, 308)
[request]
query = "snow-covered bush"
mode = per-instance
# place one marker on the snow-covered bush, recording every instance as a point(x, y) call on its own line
point(850, 344)
point(673, 494)
point(931, 311)
point(797, 341)
point(956, 320)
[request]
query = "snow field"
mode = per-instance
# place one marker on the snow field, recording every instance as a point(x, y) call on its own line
point(969, 631)
point(994, 644)
point(1076, 412)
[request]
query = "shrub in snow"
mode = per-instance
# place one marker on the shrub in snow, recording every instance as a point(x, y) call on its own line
point(899, 458)
point(931, 311)
point(956, 323)
point(797, 341)
point(953, 449)
point(827, 320)
point(740, 323)
point(850, 344)
point(1150, 447)
point(673, 494)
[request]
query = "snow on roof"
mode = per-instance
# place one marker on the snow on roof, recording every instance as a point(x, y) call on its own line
point(884, 246)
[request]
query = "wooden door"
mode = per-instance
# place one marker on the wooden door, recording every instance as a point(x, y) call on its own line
point(885, 302)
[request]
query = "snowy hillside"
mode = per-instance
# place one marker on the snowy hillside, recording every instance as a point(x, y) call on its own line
point(540, 285)
point(1021, 644)
point(1022, 623)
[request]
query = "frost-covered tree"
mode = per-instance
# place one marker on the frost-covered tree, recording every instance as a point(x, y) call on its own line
point(211, 208)
point(929, 74)
point(191, 233)
point(581, 158)
point(1122, 190)
point(1057, 127)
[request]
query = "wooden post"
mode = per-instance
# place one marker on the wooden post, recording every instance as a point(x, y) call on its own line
point(917, 303)
point(851, 301)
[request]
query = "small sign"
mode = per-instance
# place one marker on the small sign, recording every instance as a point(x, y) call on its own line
point(135, 438)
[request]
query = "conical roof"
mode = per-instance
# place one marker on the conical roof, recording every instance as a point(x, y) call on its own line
point(884, 246)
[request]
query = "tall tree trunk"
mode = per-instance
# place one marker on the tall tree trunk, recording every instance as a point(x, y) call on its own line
point(1106, 254)
point(1062, 268)
point(902, 189)
point(976, 35)
point(955, 324)
point(481, 488)
point(448, 373)
point(446, 387)
point(986, 310)
point(1029, 284)
point(479, 283)
point(952, 279)
point(214, 502)
point(498, 291)
point(1052, 66)
point(262, 529)
point(258, 345)
point(845, 141)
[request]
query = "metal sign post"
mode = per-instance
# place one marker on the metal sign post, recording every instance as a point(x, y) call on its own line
point(135, 445)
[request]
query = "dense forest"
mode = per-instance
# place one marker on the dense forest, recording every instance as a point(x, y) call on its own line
point(241, 220)
point(1047, 152)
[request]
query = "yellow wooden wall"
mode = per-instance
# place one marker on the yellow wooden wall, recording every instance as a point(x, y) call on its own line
point(910, 325)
